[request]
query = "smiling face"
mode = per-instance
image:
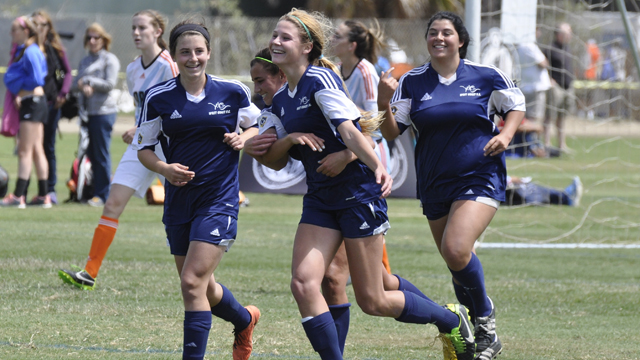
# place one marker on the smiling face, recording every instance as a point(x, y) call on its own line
point(264, 83)
point(144, 34)
point(286, 46)
point(443, 41)
point(192, 56)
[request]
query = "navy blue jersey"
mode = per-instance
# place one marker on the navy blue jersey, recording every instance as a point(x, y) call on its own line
point(319, 105)
point(453, 121)
point(191, 131)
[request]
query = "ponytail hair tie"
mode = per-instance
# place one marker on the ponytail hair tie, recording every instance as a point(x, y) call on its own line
point(320, 57)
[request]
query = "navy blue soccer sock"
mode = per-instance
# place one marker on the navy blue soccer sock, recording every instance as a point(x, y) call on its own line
point(420, 311)
point(229, 309)
point(463, 297)
point(322, 334)
point(341, 316)
point(472, 279)
point(196, 333)
point(404, 284)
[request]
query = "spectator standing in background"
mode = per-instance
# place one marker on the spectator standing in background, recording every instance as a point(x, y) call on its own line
point(561, 97)
point(57, 84)
point(534, 85)
point(96, 82)
point(592, 72)
point(24, 80)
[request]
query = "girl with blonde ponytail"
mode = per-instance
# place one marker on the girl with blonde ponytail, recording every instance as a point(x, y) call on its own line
point(319, 118)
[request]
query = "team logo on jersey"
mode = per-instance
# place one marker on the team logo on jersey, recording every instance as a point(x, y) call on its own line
point(262, 121)
point(394, 110)
point(175, 115)
point(426, 97)
point(281, 112)
point(139, 139)
point(470, 90)
point(219, 108)
point(304, 103)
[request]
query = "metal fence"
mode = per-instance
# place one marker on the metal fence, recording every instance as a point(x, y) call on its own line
point(234, 41)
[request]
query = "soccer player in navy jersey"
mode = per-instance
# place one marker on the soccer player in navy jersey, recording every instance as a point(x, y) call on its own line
point(320, 119)
point(197, 119)
point(268, 79)
point(450, 103)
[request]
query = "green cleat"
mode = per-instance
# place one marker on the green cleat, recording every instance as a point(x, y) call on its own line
point(80, 279)
point(459, 344)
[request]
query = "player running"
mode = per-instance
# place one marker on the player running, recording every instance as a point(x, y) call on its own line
point(197, 119)
point(319, 118)
point(450, 103)
point(131, 178)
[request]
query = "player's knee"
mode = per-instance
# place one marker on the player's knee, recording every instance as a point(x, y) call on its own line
point(455, 257)
point(302, 289)
point(372, 305)
point(114, 207)
point(191, 286)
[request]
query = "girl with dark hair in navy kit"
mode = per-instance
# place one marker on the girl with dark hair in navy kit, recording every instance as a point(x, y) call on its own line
point(450, 103)
point(197, 119)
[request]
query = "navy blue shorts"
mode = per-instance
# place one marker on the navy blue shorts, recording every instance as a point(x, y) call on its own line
point(355, 222)
point(214, 229)
point(436, 210)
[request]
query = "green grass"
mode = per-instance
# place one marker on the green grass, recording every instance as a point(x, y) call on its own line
point(551, 303)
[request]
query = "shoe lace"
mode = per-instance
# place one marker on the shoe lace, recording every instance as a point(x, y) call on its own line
point(240, 338)
point(448, 348)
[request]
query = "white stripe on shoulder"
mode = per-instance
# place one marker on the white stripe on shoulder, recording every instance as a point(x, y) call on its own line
point(168, 86)
point(324, 76)
point(504, 76)
point(286, 84)
point(244, 87)
point(413, 72)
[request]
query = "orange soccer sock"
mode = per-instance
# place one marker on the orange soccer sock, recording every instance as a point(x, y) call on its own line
point(385, 258)
point(102, 238)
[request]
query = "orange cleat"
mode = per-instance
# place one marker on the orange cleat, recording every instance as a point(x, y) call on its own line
point(243, 343)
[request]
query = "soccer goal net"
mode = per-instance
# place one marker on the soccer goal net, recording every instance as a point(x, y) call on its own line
point(602, 121)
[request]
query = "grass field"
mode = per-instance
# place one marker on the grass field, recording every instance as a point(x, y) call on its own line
point(551, 303)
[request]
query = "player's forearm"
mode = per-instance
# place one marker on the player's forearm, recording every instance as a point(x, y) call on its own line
point(151, 161)
point(277, 156)
point(389, 126)
point(511, 122)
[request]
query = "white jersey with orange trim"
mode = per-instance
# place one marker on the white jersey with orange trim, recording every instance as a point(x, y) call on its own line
point(130, 172)
point(141, 78)
point(362, 85)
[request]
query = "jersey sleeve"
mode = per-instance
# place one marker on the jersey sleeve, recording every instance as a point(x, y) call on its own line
point(370, 81)
point(129, 77)
point(248, 112)
point(336, 106)
point(149, 126)
point(268, 120)
point(505, 96)
point(401, 105)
